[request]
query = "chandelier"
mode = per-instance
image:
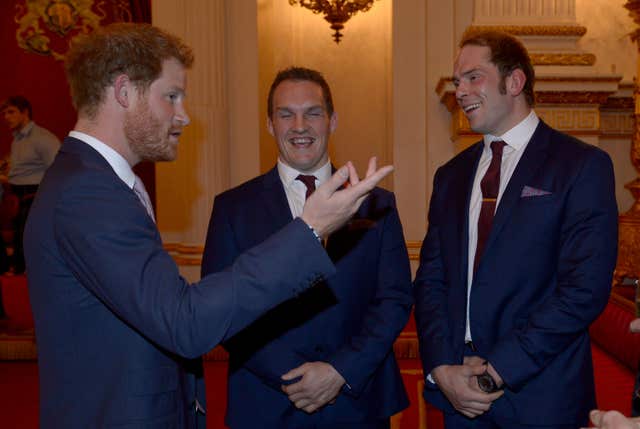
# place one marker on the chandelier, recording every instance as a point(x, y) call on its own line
point(336, 12)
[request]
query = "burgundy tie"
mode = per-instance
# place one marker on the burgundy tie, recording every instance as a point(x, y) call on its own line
point(490, 185)
point(309, 182)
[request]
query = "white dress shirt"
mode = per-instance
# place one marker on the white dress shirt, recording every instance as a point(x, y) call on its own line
point(295, 189)
point(516, 139)
point(115, 160)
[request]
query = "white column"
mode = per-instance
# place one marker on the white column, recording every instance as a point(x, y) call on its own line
point(524, 12)
point(185, 188)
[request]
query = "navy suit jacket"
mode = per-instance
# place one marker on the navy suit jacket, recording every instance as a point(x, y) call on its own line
point(114, 319)
point(545, 275)
point(351, 321)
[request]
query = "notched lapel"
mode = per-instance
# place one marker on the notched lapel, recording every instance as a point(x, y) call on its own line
point(277, 211)
point(531, 161)
point(460, 214)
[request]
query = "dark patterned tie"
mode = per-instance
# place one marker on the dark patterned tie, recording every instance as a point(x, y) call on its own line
point(309, 182)
point(490, 185)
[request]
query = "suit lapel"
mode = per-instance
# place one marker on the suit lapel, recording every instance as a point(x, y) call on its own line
point(463, 200)
point(531, 161)
point(274, 201)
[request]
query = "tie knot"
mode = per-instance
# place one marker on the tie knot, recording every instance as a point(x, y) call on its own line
point(309, 181)
point(496, 147)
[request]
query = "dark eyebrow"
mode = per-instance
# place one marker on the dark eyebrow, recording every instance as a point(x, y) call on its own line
point(468, 72)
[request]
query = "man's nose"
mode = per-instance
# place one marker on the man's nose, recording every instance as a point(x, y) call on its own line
point(461, 90)
point(300, 124)
point(182, 116)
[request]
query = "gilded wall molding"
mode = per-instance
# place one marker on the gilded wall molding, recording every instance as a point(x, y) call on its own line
point(185, 254)
point(617, 123)
point(562, 59)
point(585, 121)
point(413, 247)
point(572, 97)
point(600, 98)
point(619, 103)
point(572, 119)
point(535, 30)
point(184, 248)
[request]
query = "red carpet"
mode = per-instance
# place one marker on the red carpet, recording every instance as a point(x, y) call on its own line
point(19, 385)
point(16, 303)
point(19, 397)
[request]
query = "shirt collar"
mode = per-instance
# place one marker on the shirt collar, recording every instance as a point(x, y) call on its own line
point(25, 131)
point(518, 136)
point(115, 160)
point(288, 174)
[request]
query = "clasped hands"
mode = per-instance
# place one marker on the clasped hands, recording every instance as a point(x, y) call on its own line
point(318, 385)
point(326, 210)
point(459, 383)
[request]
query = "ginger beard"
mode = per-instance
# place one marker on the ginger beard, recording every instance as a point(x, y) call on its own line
point(148, 138)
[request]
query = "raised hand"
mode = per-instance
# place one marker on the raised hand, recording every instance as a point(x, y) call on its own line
point(328, 208)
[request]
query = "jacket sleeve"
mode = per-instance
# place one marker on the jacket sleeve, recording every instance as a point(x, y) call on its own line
point(114, 250)
point(431, 291)
point(259, 350)
point(387, 312)
point(586, 259)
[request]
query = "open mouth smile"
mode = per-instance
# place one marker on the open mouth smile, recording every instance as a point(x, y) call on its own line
point(301, 142)
point(471, 107)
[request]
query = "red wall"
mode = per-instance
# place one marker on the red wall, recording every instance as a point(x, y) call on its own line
point(39, 78)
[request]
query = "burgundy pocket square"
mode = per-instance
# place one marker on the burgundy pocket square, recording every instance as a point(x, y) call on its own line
point(528, 192)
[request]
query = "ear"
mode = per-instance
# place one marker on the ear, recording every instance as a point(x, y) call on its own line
point(270, 126)
point(515, 82)
point(333, 122)
point(122, 89)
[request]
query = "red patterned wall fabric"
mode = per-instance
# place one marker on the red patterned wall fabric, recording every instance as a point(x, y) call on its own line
point(47, 26)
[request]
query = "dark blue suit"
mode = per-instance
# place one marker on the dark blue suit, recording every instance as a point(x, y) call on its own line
point(351, 321)
point(114, 320)
point(545, 275)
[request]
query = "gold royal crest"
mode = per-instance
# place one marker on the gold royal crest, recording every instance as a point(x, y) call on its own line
point(60, 17)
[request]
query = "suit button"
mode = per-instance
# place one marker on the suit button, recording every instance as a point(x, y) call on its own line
point(318, 349)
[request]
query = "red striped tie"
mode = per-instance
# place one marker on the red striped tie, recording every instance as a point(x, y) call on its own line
point(490, 185)
point(309, 182)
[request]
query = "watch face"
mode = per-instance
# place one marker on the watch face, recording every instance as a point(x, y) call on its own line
point(486, 383)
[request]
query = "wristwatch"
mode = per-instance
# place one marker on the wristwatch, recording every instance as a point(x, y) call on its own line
point(487, 383)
